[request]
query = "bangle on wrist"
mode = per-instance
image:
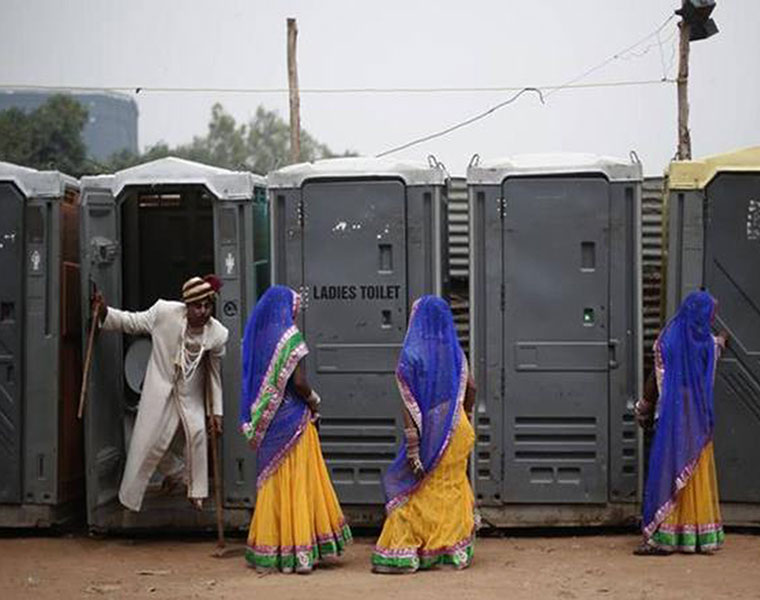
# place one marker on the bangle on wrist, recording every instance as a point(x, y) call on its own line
point(410, 433)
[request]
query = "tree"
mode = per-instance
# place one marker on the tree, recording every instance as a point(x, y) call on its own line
point(49, 137)
point(261, 145)
point(15, 136)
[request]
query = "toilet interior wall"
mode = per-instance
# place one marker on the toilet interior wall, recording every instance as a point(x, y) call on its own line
point(168, 237)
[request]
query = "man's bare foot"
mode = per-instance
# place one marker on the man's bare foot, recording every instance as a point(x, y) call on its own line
point(197, 503)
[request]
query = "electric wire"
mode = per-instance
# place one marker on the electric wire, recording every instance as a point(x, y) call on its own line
point(337, 91)
point(542, 96)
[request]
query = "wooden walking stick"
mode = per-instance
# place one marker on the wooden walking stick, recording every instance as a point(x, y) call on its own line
point(220, 543)
point(88, 358)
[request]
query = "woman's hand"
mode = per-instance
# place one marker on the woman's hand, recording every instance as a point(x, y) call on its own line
point(644, 414)
point(413, 452)
point(314, 401)
point(415, 464)
point(722, 337)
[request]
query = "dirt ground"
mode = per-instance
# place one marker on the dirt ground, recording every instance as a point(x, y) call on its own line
point(513, 567)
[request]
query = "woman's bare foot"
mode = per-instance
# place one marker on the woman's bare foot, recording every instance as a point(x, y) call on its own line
point(644, 549)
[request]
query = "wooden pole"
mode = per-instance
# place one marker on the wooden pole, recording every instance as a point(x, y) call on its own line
point(684, 136)
point(220, 543)
point(295, 102)
point(88, 360)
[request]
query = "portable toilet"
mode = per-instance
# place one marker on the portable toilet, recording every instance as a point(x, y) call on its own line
point(361, 239)
point(41, 455)
point(145, 230)
point(713, 233)
point(555, 325)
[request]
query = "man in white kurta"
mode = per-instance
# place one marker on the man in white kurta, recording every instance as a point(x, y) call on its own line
point(188, 344)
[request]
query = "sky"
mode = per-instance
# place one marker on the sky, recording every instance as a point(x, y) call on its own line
point(241, 45)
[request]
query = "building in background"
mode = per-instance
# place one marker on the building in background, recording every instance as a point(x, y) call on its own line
point(111, 123)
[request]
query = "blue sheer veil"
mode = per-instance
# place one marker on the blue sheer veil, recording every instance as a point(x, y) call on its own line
point(686, 418)
point(272, 414)
point(432, 379)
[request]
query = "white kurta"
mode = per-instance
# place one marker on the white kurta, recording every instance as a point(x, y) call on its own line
point(164, 406)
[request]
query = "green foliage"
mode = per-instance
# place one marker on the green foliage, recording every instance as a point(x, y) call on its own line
point(49, 137)
point(15, 136)
point(259, 146)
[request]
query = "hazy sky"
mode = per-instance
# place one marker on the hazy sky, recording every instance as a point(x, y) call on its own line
point(390, 44)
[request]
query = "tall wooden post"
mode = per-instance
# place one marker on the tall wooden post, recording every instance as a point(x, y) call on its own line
point(295, 102)
point(684, 136)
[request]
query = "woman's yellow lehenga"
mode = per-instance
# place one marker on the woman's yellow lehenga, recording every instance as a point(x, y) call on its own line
point(298, 520)
point(436, 524)
point(694, 523)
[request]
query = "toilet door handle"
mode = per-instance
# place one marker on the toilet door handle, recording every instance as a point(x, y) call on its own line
point(613, 362)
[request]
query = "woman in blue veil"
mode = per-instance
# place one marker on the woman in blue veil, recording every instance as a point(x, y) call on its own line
point(429, 501)
point(297, 520)
point(681, 510)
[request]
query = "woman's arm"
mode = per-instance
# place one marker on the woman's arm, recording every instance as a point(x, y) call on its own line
point(305, 390)
point(412, 443)
point(645, 408)
point(469, 395)
point(408, 423)
point(301, 383)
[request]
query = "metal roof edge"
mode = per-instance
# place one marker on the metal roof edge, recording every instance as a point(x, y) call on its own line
point(223, 183)
point(412, 174)
point(37, 184)
point(496, 171)
point(698, 173)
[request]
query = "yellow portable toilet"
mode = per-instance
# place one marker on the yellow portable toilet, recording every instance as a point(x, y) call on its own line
point(713, 229)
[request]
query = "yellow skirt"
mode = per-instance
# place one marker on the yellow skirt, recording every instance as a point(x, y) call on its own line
point(436, 525)
point(297, 520)
point(695, 522)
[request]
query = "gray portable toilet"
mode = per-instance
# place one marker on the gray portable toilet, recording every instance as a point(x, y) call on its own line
point(713, 232)
point(361, 239)
point(145, 230)
point(555, 337)
point(41, 455)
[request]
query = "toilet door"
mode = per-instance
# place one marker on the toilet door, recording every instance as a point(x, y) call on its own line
point(556, 349)
point(355, 274)
point(11, 340)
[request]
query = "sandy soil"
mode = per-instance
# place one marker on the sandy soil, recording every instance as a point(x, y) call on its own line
point(513, 568)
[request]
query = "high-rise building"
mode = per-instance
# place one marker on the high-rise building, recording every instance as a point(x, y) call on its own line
point(111, 123)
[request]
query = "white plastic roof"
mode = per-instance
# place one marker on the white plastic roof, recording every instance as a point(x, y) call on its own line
point(224, 184)
point(495, 171)
point(37, 184)
point(411, 173)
